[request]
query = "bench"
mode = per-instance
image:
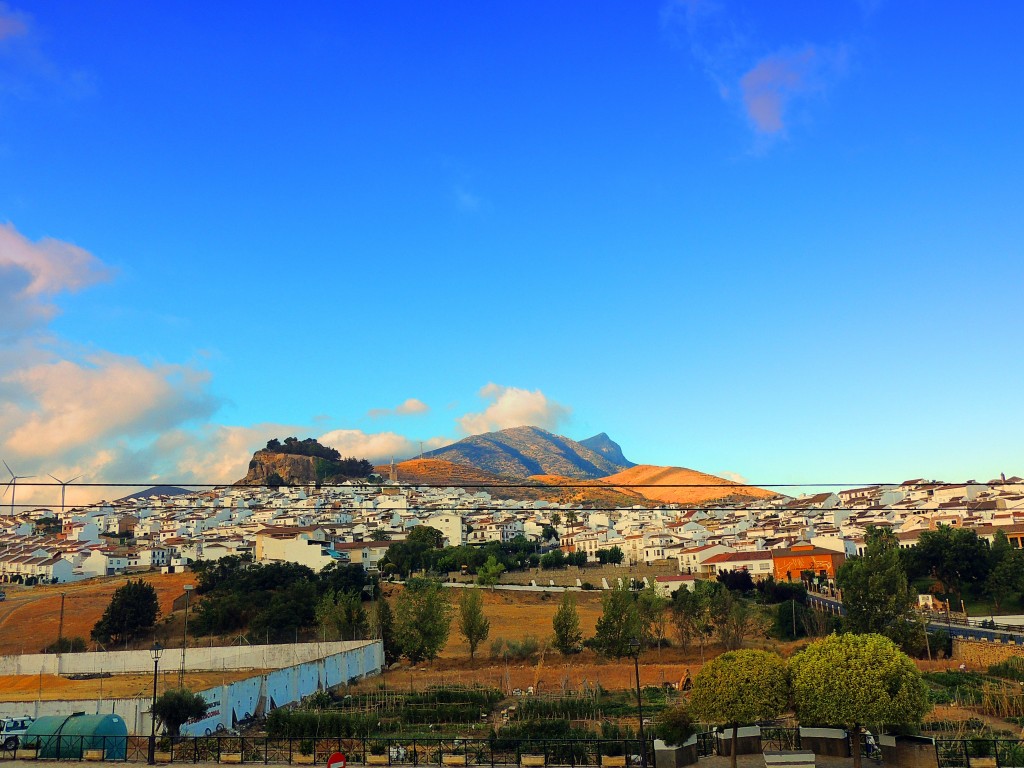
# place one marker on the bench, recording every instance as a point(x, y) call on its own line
point(531, 761)
point(786, 759)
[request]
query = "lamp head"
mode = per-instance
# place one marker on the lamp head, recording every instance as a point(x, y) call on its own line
point(156, 651)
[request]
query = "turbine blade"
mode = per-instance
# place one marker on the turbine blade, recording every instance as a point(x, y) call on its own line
point(8, 466)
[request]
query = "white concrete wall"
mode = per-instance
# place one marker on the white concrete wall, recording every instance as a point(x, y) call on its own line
point(232, 702)
point(196, 659)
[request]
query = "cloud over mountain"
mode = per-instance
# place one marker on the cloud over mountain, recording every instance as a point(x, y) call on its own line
point(513, 407)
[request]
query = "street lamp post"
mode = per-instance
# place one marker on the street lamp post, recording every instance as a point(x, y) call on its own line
point(634, 646)
point(155, 652)
point(184, 638)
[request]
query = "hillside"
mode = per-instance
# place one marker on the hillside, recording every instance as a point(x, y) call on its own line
point(717, 488)
point(438, 472)
point(526, 451)
point(608, 448)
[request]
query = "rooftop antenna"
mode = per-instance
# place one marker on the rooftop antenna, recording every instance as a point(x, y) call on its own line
point(63, 489)
point(13, 484)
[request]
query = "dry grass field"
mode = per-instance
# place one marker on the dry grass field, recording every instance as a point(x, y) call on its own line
point(30, 617)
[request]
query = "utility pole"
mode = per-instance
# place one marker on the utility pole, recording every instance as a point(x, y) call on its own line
point(60, 626)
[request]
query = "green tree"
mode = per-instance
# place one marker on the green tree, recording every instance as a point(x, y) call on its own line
point(653, 609)
point(473, 625)
point(176, 707)
point(341, 616)
point(740, 687)
point(424, 534)
point(553, 559)
point(131, 612)
point(619, 624)
point(954, 556)
point(566, 623)
point(382, 627)
point(1006, 575)
point(857, 680)
point(674, 725)
point(737, 621)
point(696, 613)
point(290, 610)
point(876, 595)
point(556, 519)
point(613, 555)
point(423, 617)
point(487, 575)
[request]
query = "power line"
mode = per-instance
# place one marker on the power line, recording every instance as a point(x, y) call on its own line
point(569, 506)
point(536, 485)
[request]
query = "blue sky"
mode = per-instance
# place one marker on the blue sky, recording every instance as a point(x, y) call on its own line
point(781, 241)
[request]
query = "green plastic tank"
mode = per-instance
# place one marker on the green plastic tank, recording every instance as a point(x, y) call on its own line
point(66, 737)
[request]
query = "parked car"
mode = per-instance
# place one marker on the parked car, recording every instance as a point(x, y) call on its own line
point(12, 729)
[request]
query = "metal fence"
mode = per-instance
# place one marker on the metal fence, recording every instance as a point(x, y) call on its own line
point(979, 753)
point(357, 751)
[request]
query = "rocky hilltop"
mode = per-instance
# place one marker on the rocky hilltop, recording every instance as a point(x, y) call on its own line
point(608, 448)
point(301, 462)
point(268, 468)
point(522, 452)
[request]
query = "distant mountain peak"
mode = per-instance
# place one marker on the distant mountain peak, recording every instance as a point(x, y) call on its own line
point(604, 445)
point(525, 451)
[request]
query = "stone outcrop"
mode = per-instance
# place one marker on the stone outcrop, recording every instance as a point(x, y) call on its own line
point(266, 466)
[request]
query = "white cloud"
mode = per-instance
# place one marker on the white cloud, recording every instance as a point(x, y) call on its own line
point(513, 407)
point(378, 446)
point(410, 407)
point(67, 405)
point(735, 477)
point(775, 81)
point(731, 55)
point(31, 273)
point(12, 23)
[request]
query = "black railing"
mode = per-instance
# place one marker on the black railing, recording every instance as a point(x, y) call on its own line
point(383, 751)
point(979, 752)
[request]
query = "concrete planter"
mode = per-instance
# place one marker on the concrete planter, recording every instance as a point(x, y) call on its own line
point(748, 741)
point(613, 761)
point(825, 741)
point(92, 755)
point(231, 757)
point(671, 756)
point(908, 751)
point(161, 757)
point(378, 759)
point(303, 759)
point(453, 760)
point(28, 754)
point(531, 761)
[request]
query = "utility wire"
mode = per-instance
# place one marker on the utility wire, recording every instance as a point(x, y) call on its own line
point(593, 485)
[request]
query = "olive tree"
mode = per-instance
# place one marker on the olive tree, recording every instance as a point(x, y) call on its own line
point(176, 707)
point(857, 680)
point(423, 617)
point(473, 625)
point(741, 687)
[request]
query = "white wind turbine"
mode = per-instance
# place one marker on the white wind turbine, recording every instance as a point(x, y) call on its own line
point(13, 484)
point(64, 489)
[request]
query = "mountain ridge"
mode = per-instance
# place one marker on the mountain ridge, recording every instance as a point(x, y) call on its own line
point(522, 452)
